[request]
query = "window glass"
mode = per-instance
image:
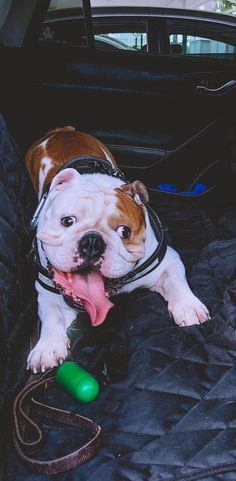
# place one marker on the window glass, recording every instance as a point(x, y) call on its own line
point(187, 44)
point(70, 31)
point(58, 4)
point(63, 25)
point(110, 32)
point(121, 40)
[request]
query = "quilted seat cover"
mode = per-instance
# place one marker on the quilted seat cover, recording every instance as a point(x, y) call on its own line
point(17, 298)
point(167, 405)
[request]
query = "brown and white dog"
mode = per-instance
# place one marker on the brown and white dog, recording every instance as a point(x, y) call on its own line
point(94, 228)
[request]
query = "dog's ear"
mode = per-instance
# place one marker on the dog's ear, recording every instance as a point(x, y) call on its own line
point(136, 190)
point(64, 179)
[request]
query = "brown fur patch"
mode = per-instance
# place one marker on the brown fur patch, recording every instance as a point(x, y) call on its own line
point(62, 145)
point(132, 215)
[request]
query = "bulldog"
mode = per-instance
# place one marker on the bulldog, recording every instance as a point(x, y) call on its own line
point(95, 236)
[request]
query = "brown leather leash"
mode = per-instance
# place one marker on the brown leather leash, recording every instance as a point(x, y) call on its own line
point(23, 423)
point(26, 428)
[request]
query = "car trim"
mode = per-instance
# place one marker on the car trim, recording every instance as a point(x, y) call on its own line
point(143, 12)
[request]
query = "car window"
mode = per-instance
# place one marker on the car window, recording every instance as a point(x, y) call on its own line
point(119, 33)
point(58, 4)
point(64, 23)
point(206, 47)
point(133, 31)
point(109, 33)
point(128, 40)
point(202, 40)
point(110, 37)
point(71, 31)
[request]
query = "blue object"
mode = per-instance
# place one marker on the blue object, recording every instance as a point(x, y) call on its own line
point(197, 189)
point(167, 187)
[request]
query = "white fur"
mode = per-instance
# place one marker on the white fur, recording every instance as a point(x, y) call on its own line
point(92, 200)
point(46, 164)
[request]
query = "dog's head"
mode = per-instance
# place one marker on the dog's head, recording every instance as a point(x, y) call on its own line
point(92, 227)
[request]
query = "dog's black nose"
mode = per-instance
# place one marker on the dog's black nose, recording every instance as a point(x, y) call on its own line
point(91, 246)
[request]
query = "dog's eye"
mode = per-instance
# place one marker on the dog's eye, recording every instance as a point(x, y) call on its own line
point(68, 220)
point(124, 231)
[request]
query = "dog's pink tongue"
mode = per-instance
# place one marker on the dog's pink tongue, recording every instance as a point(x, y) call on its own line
point(89, 288)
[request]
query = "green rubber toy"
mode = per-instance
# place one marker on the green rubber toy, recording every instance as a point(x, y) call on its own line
point(78, 382)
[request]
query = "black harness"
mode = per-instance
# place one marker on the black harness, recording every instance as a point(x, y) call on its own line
point(91, 165)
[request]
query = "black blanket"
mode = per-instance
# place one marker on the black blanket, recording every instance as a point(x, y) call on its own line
point(167, 405)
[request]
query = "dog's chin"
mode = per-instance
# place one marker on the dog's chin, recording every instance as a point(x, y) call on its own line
point(117, 272)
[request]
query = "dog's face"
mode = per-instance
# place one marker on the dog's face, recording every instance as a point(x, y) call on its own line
point(91, 222)
point(91, 228)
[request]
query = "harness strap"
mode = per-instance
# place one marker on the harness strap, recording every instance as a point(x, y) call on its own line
point(85, 164)
point(46, 283)
point(92, 164)
point(25, 426)
point(157, 256)
point(114, 284)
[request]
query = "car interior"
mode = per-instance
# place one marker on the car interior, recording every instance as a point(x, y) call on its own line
point(167, 402)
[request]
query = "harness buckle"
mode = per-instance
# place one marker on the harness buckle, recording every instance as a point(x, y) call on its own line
point(34, 220)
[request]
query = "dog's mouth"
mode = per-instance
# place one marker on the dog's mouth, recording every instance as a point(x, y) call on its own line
point(86, 287)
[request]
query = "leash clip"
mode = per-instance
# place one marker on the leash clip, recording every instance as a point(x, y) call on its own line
point(34, 220)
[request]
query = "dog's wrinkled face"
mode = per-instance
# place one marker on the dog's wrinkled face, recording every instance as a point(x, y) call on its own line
point(92, 222)
point(91, 228)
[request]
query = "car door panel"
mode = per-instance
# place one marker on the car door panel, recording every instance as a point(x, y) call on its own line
point(130, 101)
point(145, 107)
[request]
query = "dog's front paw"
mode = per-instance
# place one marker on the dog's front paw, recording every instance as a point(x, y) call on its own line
point(48, 354)
point(188, 311)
